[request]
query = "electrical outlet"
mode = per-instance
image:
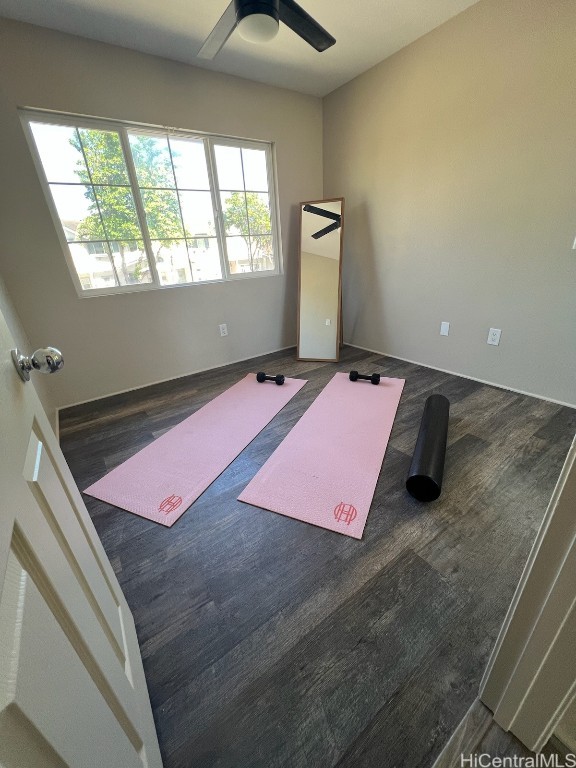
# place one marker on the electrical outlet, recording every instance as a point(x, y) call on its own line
point(223, 329)
point(444, 328)
point(328, 321)
point(494, 336)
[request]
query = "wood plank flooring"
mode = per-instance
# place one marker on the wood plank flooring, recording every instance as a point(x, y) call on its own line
point(273, 644)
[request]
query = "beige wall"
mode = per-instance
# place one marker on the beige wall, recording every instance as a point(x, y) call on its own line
point(117, 342)
point(457, 159)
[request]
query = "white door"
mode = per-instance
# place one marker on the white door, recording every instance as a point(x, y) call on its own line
point(531, 676)
point(72, 687)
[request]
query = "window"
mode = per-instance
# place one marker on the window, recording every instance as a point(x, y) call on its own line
point(139, 208)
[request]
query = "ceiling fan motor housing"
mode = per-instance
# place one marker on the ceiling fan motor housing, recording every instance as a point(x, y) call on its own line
point(246, 8)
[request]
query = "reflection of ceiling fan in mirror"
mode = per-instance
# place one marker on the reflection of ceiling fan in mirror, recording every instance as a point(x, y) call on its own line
point(258, 21)
point(336, 219)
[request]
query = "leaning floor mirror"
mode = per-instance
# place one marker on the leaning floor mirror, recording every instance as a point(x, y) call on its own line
point(320, 279)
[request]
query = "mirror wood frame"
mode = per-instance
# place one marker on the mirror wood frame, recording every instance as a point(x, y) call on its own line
point(338, 342)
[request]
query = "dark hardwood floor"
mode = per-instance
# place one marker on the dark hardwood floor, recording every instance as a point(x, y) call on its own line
point(273, 644)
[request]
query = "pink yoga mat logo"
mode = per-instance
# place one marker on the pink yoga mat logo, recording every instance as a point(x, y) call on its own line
point(169, 504)
point(345, 513)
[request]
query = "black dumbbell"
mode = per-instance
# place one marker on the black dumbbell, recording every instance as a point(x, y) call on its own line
point(374, 377)
point(261, 376)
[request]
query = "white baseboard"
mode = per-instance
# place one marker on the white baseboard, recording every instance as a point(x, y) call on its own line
point(462, 375)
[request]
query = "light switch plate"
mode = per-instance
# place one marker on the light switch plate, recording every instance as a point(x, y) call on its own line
point(444, 328)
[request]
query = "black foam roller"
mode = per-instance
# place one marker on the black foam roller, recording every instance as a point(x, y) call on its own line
point(424, 480)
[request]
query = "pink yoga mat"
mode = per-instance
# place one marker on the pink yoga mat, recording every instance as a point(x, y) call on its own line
point(163, 479)
point(325, 471)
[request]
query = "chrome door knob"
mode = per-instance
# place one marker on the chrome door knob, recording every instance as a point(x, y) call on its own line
point(45, 360)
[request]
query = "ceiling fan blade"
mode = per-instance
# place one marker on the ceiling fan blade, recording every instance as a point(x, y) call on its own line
point(326, 230)
point(221, 32)
point(304, 25)
point(323, 212)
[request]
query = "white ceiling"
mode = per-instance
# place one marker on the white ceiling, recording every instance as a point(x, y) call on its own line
point(366, 32)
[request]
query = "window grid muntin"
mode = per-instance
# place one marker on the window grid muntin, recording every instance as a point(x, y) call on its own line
point(132, 177)
point(123, 129)
point(246, 209)
point(105, 240)
point(266, 148)
point(178, 190)
point(219, 222)
point(225, 274)
point(272, 194)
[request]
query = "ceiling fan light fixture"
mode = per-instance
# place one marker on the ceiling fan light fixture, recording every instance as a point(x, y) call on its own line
point(258, 28)
point(257, 20)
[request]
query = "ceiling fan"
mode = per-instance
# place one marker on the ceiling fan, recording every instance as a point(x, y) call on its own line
point(258, 22)
point(336, 220)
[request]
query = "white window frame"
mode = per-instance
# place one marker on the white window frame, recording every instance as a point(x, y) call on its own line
point(210, 140)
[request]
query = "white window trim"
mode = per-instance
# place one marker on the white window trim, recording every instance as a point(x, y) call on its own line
point(123, 128)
